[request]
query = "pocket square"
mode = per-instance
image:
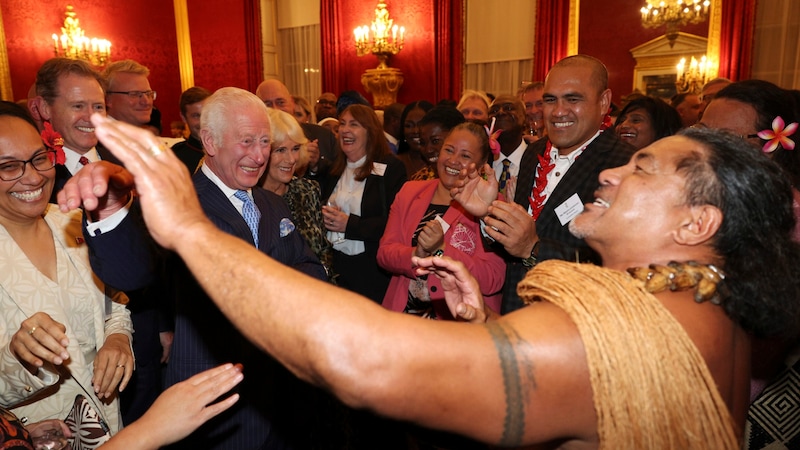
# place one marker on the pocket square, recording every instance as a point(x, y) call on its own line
point(286, 227)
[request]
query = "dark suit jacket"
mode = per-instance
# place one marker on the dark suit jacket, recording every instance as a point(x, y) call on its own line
point(204, 338)
point(361, 273)
point(63, 174)
point(111, 260)
point(190, 152)
point(325, 138)
point(582, 178)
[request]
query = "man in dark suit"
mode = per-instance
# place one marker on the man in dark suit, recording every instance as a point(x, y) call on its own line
point(321, 142)
point(191, 104)
point(235, 132)
point(70, 91)
point(507, 113)
point(557, 175)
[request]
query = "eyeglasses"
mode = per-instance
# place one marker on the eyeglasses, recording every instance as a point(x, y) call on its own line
point(326, 102)
point(15, 169)
point(136, 95)
point(505, 107)
point(702, 126)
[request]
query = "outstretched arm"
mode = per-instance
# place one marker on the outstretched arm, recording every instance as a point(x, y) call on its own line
point(493, 382)
point(123, 256)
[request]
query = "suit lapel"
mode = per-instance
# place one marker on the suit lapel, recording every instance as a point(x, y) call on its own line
point(106, 155)
point(577, 176)
point(527, 171)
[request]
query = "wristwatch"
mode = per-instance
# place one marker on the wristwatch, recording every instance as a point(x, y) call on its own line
point(531, 261)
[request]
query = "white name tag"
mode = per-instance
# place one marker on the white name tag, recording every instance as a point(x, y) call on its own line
point(445, 225)
point(569, 209)
point(378, 169)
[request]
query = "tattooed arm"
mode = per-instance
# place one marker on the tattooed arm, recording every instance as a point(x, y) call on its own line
point(521, 379)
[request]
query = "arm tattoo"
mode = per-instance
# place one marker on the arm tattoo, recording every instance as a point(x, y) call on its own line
point(506, 340)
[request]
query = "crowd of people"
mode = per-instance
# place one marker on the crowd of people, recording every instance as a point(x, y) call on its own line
point(566, 250)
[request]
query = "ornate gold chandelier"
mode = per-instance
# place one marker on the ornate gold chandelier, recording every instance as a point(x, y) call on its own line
point(386, 38)
point(73, 44)
point(692, 78)
point(674, 14)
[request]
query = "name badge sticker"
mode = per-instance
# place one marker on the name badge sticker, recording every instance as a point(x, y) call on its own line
point(569, 209)
point(378, 169)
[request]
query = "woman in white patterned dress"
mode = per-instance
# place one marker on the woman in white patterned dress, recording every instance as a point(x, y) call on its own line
point(60, 334)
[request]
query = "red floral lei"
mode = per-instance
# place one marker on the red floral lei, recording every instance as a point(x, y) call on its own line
point(546, 166)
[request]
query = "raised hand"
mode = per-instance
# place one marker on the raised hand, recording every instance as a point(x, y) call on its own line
point(473, 192)
point(163, 184)
point(101, 188)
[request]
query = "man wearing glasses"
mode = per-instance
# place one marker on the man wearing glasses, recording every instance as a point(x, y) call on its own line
point(326, 106)
point(129, 97)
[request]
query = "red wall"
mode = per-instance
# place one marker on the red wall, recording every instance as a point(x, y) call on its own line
point(218, 50)
point(416, 60)
point(145, 33)
point(609, 29)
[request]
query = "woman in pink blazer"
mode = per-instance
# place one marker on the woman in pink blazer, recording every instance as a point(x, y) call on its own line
point(425, 221)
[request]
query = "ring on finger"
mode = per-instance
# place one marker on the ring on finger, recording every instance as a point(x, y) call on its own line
point(120, 365)
point(156, 150)
point(31, 331)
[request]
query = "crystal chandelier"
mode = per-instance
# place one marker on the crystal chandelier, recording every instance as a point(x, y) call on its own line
point(385, 40)
point(674, 14)
point(73, 44)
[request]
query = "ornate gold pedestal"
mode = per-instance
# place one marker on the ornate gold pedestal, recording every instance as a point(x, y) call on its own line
point(383, 84)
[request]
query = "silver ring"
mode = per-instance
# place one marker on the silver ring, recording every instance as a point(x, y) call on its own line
point(31, 331)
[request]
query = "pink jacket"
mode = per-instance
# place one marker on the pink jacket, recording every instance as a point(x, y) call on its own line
point(463, 242)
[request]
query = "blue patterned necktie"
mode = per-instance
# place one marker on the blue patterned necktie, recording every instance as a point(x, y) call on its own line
point(251, 214)
point(504, 174)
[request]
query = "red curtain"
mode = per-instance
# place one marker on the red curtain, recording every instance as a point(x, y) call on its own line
point(329, 33)
point(252, 35)
point(736, 39)
point(448, 29)
point(552, 32)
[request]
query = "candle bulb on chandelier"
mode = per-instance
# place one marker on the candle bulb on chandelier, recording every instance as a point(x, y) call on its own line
point(680, 67)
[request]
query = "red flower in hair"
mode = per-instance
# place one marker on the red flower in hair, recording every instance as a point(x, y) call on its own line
point(53, 140)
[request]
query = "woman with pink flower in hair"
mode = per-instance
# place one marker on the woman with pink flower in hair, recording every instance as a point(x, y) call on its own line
point(762, 113)
point(424, 221)
point(767, 116)
point(61, 335)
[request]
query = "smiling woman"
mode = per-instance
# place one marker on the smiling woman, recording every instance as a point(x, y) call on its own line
point(426, 221)
point(357, 195)
point(287, 157)
point(645, 120)
point(83, 333)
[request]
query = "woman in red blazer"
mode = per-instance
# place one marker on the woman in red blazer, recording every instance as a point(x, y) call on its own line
point(424, 220)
